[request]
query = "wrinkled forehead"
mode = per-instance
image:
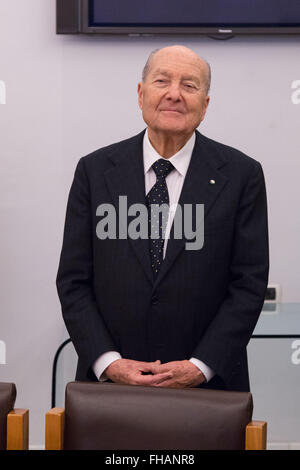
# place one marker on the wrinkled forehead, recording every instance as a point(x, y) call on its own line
point(177, 61)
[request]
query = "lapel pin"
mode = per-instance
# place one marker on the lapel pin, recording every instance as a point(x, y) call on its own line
point(212, 182)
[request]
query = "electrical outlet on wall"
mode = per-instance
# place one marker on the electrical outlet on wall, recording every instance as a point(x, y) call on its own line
point(273, 294)
point(272, 299)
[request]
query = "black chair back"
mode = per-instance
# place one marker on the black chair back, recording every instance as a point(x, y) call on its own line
point(8, 395)
point(125, 417)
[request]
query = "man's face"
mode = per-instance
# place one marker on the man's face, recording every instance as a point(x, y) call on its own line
point(173, 97)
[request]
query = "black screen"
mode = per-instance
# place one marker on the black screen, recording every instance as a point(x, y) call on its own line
point(222, 13)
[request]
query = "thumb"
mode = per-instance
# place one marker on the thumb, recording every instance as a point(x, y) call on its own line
point(155, 366)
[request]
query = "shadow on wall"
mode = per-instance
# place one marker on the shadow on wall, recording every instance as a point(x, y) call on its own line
point(2, 352)
point(296, 94)
point(2, 92)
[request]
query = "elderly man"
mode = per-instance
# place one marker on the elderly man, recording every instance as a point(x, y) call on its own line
point(149, 311)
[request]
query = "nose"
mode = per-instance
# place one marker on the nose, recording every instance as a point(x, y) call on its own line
point(173, 92)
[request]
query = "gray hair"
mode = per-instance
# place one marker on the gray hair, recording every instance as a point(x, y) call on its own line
point(147, 68)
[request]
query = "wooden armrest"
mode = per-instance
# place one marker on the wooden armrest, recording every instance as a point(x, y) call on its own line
point(17, 429)
point(256, 435)
point(55, 421)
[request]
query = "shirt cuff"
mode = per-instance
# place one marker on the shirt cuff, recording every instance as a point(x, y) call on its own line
point(103, 362)
point(206, 371)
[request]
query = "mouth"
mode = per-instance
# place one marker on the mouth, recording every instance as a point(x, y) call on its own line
point(171, 111)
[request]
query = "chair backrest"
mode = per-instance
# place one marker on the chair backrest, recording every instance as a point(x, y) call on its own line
point(8, 395)
point(116, 417)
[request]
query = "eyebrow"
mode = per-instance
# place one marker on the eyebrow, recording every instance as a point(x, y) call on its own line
point(167, 74)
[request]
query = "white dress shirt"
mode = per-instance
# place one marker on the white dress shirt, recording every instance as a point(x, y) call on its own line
point(174, 181)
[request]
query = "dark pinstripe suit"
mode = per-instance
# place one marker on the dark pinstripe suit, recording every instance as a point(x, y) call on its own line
point(204, 303)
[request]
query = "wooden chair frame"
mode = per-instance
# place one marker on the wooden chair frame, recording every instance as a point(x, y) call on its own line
point(17, 429)
point(256, 432)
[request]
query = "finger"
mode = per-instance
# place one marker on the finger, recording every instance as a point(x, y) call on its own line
point(150, 379)
point(154, 363)
point(147, 366)
point(165, 383)
point(159, 378)
point(168, 384)
point(153, 367)
point(158, 368)
point(161, 369)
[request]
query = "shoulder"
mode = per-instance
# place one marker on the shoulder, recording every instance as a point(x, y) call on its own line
point(234, 158)
point(105, 156)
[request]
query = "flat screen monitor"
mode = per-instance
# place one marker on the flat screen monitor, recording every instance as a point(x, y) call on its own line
point(180, 16)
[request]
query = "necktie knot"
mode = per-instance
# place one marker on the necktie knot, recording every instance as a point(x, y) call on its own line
point(162, 167)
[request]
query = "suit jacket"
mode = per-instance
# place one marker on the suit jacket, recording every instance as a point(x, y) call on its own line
point(203, 303)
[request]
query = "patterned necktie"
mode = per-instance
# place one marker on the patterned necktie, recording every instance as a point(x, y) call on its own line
point(157, 219)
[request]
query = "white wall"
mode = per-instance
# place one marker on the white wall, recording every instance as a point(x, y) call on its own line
point(68, 95)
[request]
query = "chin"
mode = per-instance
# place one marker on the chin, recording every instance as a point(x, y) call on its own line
point(174, 130)
point(171, 127)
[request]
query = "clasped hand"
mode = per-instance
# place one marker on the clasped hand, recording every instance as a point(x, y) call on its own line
point(175, 374)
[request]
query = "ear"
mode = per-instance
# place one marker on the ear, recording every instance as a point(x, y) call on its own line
point(206, 102)
point(140, 94)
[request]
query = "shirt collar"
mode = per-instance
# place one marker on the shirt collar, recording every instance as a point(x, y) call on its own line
point(179, 160)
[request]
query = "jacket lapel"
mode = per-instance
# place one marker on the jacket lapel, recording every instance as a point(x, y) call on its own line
point(127, 178)
point(204, 167)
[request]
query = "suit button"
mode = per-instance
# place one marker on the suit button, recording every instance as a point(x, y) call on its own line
point(154, 300)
